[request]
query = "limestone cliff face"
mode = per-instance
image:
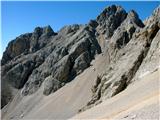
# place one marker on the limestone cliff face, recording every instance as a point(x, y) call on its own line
point(49, 60)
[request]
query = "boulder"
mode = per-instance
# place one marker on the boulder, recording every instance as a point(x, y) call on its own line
point(50, 85)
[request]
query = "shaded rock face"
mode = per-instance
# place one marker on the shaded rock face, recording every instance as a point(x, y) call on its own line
point(123, 34)
point(28, 43)
point(50, 60)
point(16, 47)
point(108, 21)
point(62, 62)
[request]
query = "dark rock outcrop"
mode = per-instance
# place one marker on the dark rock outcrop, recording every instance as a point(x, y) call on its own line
point(27, 43)
point(50, 85)
point(108, 21)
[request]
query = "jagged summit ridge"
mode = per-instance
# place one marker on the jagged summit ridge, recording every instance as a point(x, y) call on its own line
point(45, 61)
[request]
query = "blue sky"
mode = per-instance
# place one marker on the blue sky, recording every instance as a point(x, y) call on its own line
point(22, 17)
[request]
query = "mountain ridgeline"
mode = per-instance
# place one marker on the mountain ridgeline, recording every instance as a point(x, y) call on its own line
point(48, 60)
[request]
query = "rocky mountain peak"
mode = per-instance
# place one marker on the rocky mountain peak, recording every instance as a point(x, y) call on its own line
point(108, 21)
point(47, 30)
point(132, 51)
point(133, 14)
point(46, 61)
point(133, 18)
point(110, 12)
point(38, 30)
